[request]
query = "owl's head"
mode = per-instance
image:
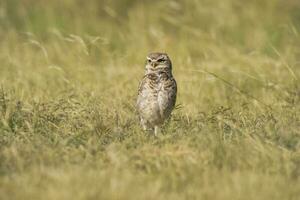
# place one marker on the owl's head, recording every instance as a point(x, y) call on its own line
point(157, 62)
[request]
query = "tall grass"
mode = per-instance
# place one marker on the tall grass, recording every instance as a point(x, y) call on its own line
point(69, 72)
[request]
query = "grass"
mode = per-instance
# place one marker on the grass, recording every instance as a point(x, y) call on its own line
point(69, 77)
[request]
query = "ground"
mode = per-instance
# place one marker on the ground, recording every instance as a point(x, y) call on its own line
point(68, 83)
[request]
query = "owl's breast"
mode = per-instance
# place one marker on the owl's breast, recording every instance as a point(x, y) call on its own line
point(147, 102)
point(156, 97)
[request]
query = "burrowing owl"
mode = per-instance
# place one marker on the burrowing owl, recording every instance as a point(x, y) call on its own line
point(157, 92)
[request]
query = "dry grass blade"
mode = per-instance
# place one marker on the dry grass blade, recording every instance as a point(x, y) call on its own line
point(233, 87)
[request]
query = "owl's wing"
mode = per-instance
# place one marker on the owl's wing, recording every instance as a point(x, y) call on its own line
point(140, 92)
point(170, 93)
point(141, 86)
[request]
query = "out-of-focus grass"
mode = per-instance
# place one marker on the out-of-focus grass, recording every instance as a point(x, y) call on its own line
point(69, 72)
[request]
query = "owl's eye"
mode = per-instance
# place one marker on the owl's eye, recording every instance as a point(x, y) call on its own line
point(161, 60)
point(149, 60)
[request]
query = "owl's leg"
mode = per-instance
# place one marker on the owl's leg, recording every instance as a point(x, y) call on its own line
point(144, 125)
point(145, 128)
point(156, 130)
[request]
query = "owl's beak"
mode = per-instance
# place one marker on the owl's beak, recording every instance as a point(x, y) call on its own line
point(153, 64)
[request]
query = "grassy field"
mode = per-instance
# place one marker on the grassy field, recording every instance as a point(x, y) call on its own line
point(69, 72)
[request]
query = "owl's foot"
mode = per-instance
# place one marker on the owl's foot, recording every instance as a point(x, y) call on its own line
point(147, 127)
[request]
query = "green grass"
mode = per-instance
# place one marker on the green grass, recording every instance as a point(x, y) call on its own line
point(69, 72)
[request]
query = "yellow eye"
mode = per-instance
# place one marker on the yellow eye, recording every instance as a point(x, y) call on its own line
point(161, 60)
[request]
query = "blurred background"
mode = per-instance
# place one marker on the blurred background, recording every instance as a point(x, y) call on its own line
point(254, 25)
point(103, 43)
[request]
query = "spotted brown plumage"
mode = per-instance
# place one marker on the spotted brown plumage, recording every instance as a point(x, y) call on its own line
point(157, 92)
